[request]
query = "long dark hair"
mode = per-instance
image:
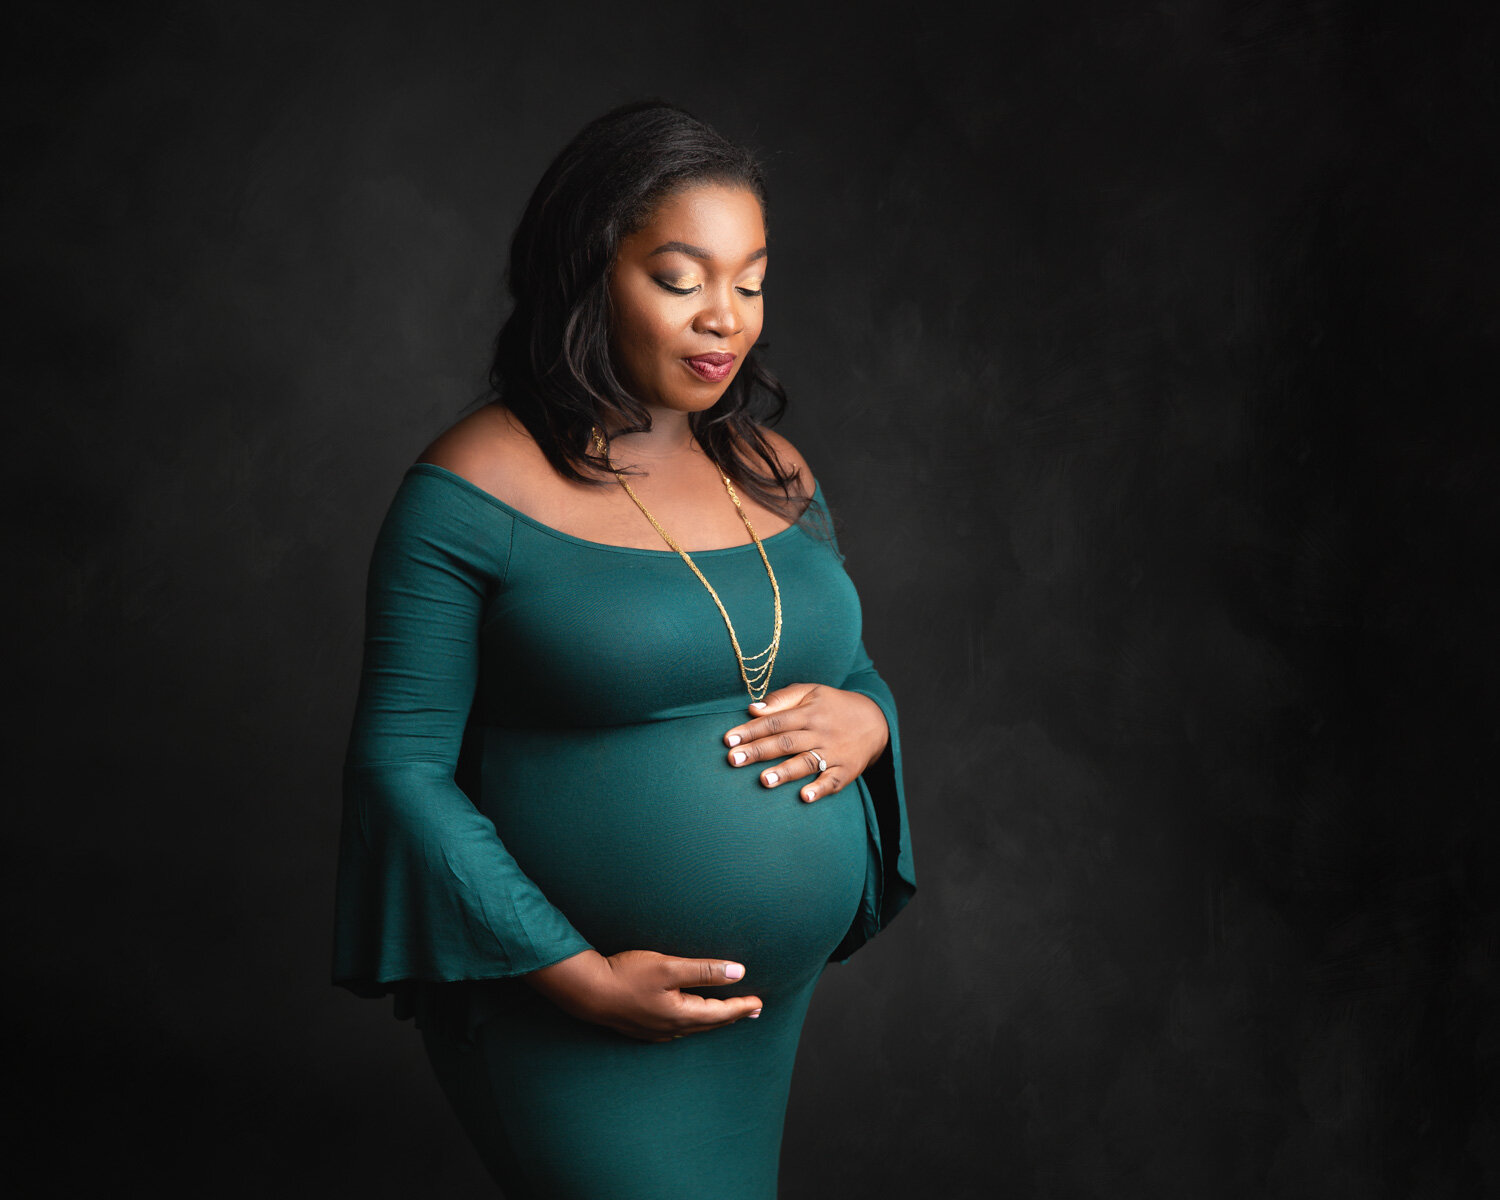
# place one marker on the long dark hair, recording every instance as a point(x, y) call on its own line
point(552, 365)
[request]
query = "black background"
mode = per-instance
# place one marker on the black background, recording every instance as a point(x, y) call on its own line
point(1145, 352)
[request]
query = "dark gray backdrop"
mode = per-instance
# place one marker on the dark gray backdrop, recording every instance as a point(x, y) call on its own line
point(1146, 353)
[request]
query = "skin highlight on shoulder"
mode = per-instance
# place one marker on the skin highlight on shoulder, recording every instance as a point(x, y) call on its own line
point(493, 451)
point(791, 458)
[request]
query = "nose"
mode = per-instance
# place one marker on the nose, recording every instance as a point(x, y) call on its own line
point(719, 314)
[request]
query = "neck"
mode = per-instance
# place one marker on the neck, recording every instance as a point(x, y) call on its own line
point(670, 436)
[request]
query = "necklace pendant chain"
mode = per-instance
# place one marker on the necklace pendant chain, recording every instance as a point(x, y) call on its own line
point(755, 674)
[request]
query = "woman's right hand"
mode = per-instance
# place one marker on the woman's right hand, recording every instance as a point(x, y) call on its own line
point(639, 992)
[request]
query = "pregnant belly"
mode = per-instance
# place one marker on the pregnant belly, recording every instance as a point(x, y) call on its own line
point(646, 839)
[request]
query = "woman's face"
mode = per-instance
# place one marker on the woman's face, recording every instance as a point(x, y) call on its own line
point(687, 285)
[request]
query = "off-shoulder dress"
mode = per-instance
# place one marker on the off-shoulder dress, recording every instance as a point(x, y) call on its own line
point(537, 767)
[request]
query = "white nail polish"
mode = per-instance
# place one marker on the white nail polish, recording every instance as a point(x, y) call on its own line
point(738, 756)
point(771, 778)
point(734, 739)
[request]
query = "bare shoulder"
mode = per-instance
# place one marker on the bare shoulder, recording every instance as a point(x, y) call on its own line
point(493, 451)
point(792, 461)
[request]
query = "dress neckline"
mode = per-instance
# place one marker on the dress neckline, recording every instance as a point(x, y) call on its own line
point(426, 468)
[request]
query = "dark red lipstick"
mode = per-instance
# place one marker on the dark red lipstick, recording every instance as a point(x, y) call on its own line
point(713, 367)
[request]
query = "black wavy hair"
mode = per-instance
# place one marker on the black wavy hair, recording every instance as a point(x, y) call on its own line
point(552, 365)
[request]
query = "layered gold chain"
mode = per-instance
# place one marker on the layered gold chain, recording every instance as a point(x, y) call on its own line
point(755, 669)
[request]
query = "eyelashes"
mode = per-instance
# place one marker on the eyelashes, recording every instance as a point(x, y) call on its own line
point(677, 291)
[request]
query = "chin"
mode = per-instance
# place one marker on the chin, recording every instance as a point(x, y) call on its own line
point(700, 405)
point(697, 401)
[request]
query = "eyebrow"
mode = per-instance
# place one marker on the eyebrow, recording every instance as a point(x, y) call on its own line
point(698, 251)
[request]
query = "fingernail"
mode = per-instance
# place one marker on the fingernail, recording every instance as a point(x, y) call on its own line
point(809, 794)
point(733, 739)
point(755, 1014)
point(758, 705)
point(738, 756)
point(771, 778)
point(733, 971)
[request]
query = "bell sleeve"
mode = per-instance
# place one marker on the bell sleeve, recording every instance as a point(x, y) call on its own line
point(426, 891)
point(890, 874)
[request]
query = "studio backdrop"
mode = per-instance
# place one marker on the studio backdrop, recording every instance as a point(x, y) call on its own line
point(1145, 354)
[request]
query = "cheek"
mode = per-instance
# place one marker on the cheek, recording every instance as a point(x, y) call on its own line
point(644, 333)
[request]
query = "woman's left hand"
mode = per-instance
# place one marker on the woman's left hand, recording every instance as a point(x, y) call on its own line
point(815, 730)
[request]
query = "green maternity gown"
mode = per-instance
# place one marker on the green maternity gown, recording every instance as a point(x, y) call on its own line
point(537, 767)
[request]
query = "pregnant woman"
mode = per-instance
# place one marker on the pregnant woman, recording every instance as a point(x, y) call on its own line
point(622, 780)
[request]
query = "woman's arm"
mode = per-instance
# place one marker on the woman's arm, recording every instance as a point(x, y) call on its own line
point(834, 737)
point(426, 888)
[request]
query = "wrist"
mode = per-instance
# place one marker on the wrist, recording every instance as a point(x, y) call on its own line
point(575, 984)
point(880, 732)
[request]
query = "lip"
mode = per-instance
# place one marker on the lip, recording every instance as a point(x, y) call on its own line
point(713, 368)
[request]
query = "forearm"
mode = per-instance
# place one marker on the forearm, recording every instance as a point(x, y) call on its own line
point(428, 891)
point(579, 984)
point(875, 732)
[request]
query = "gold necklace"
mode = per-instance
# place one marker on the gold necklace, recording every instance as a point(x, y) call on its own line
point(755, 673)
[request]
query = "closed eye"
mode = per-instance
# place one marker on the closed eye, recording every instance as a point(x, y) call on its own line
point(677, 291)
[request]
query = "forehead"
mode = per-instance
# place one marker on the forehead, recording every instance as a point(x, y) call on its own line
point(723, 219)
